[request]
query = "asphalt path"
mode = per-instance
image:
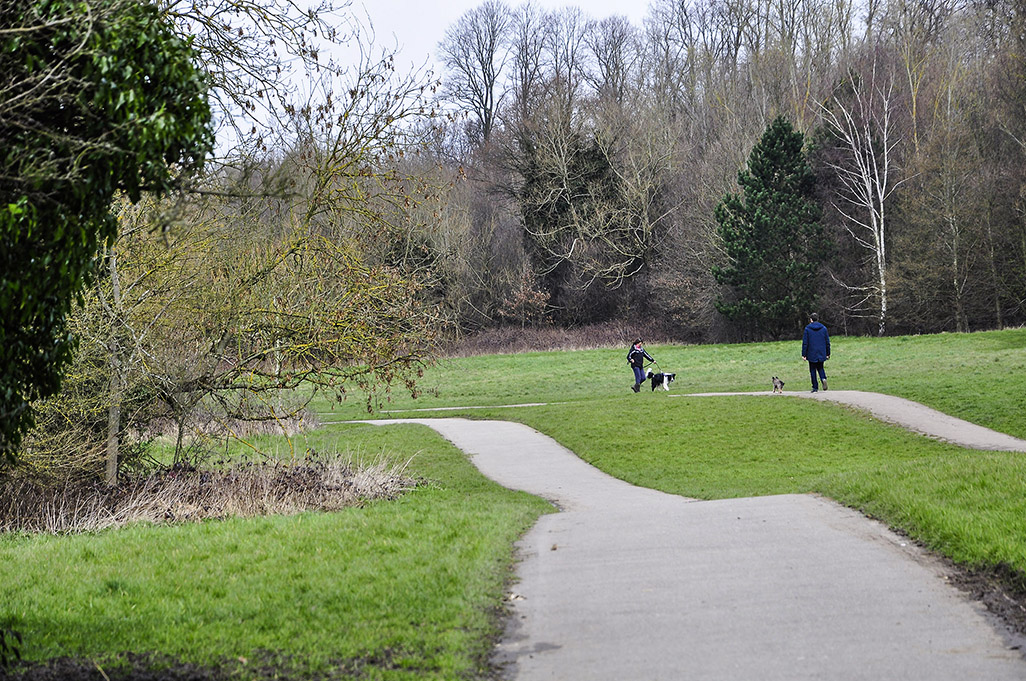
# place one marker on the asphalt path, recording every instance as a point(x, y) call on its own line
point(627, 583)
point(907, 414)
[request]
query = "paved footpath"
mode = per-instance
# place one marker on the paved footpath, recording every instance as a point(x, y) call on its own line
point(630, 584)
point(908, 414)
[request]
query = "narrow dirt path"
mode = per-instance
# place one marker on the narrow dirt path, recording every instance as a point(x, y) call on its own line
point(630, 583)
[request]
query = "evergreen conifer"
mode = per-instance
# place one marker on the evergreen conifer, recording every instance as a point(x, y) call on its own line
point(772, 238)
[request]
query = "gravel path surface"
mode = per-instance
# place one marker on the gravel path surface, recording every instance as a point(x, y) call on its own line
point(629, 583)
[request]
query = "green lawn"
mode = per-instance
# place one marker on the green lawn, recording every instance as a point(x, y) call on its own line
point(410, 589)
point(397, 590)
point(980, 377)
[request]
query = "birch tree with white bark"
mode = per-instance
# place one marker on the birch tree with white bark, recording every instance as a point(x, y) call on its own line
point(864, 124)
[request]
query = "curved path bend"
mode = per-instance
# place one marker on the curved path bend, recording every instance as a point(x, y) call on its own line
point(627, 583)
point(908, 414)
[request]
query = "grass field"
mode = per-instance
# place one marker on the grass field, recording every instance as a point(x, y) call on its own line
point(979, 377)
point(409, 589)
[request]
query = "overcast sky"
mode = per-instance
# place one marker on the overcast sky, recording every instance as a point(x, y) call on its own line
point(417, 26)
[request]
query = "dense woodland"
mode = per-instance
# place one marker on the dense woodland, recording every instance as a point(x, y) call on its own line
point(592, 155)
point(715, 174)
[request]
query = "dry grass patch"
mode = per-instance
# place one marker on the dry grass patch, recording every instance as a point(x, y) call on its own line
point(185, 493)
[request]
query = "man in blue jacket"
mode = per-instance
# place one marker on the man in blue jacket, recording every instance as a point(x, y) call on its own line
point(816, 350)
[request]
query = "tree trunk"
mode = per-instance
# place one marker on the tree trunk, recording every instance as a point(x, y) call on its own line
point(961, 323)
point(994, 279)
point(877, 221)
point(113, 439)
point(117, 379)
point(883, 300)
point(180, 424)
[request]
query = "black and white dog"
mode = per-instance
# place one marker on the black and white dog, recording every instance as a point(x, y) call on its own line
point(661, 379)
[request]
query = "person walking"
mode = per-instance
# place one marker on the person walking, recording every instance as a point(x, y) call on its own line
point(636, 357)
point(816, 350)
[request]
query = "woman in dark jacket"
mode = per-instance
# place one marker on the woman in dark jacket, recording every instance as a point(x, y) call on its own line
point(816, 350)
point(636, 357)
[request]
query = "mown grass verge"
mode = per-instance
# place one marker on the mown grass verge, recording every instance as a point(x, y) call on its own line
point(407, 589)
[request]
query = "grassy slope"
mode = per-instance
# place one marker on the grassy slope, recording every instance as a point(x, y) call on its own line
point(980, 377)
point(408, 588)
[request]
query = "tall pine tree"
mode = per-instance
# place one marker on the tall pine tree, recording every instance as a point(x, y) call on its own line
point(772, 238)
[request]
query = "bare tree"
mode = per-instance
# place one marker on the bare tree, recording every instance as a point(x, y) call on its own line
point(614, 45)
point(565, 56)
point(873, 9)
point(252, 49)
point(915, 26)
point(954, 181)
point(474, 52)
point(864, 124)
point(527, 46)
point(825, 29)
point(693, 45)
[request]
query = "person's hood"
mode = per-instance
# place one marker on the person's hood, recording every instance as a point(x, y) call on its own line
point(816, 326)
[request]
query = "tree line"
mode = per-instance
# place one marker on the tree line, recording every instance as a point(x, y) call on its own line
point(593, 154)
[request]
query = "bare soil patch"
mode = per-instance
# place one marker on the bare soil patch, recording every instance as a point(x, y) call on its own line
point(266, 666)
point(1002, 591)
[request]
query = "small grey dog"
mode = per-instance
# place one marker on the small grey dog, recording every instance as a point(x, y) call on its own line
point(778, 385)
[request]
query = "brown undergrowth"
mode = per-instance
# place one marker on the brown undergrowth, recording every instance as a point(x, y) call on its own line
point(515, 339)
point(186, 493)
